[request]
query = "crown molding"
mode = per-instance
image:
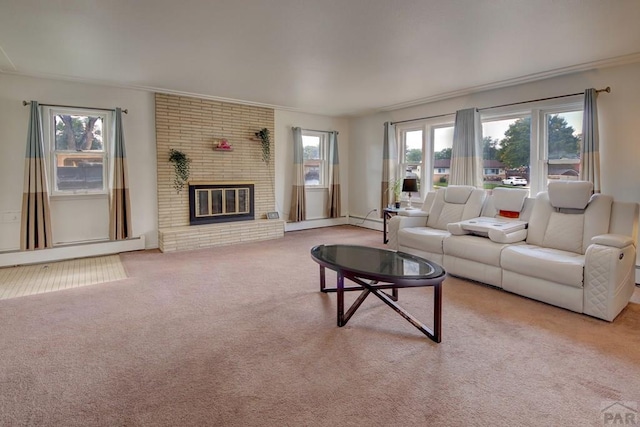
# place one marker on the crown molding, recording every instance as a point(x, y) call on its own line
point(611, 62)
point(151, 89)
point(5, 61)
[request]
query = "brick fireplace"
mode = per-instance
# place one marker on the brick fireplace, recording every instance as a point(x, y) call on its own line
point(217, 202)
point(195, 126)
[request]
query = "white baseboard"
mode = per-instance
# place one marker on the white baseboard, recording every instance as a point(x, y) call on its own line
point(61, 253)
point(372, 223)
point(637, 273)
point(315, 223)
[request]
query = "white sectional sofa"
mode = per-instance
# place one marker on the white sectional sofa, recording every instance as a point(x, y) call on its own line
point(577, 250)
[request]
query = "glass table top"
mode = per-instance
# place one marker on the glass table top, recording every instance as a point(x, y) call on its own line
point(376, 262)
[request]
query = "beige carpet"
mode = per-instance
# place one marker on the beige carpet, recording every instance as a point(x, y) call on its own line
point(240, 336)
point(55, 276)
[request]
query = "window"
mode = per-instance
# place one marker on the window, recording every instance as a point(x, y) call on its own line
point(315, 154)
point(538, 143)
point(412, 153)
point(78, 141)
point(442, 143)
point(562, 141)
point(506, 148)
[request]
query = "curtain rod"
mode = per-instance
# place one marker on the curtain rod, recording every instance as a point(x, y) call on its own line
point(75, 106)
point(322, 131)
point(607, 89)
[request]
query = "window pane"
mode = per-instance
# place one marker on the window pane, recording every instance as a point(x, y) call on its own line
point(312, 174)
point(79, 172)
point(202, 199)
point(507, 151)
point(311, 147)
point(78, 132)
point(243, 200)
point(413, 147)
point(442, 143)
point(563, 142)
point(412, 157)
point(216, 202)
point(230, 201)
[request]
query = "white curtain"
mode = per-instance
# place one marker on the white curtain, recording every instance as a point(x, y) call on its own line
point(334, 177)
point(297, 211)
point(119, 202)
point(35, 229)
point(389, 164)
point(466, 153)
point(590, 156)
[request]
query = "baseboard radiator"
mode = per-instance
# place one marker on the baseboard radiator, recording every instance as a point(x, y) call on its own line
point(81, 250)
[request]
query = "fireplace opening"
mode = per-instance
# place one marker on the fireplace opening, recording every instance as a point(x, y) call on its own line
point(221, 202)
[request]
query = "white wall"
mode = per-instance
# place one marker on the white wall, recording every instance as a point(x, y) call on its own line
point(619, 120)
point(76, 219)
point(360, 142)
point(316, 199)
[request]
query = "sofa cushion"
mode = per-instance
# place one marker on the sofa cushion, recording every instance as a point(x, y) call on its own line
point(570, 194)
point(564, 232)
point(554, 265)
point(509, 200)
point(458, 194)
point(449, 212)
point(422, 238)
point(474, 248)
point(453, 204)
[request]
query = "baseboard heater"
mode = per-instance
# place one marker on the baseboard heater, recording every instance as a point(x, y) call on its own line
point(81, 250)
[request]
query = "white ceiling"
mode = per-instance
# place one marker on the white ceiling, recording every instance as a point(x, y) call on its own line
point(333, 57)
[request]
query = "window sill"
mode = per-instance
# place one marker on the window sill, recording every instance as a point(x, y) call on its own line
point(78, 196)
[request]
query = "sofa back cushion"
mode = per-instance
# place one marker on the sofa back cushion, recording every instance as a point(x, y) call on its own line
point(455, 203)
point(567, 221)
point(509, 201)
point(569, 196)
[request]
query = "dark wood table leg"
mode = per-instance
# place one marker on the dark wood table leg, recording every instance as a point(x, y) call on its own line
point(437, 312)
point(322, 280)
point(340, 297)
point(384, 227)
point(434, 334)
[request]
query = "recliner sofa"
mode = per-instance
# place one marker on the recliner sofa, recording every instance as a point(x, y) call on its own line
point(578, 251)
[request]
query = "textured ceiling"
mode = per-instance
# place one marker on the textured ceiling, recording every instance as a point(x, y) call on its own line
point(322, 56)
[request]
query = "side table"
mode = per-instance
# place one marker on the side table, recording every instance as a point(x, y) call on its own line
point(387, 213)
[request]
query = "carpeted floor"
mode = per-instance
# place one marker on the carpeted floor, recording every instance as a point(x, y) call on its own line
point(240, 336)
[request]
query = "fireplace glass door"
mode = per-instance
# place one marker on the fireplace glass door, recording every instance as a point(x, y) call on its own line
point(222, 201)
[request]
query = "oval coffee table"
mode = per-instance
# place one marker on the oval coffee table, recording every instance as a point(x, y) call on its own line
point(384, 269)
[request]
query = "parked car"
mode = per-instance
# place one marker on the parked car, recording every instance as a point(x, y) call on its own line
point(514, 180)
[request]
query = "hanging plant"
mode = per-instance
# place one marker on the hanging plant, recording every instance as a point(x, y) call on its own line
point(181, 167)
point(265, 138)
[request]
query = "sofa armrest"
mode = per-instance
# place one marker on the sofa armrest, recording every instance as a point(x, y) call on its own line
point(613, 240)
point(609, 278)
point(500, 236)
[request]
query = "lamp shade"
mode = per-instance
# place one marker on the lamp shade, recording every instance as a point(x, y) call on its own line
point(410, 185)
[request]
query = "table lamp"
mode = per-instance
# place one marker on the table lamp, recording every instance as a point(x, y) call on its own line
point(410, 185)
